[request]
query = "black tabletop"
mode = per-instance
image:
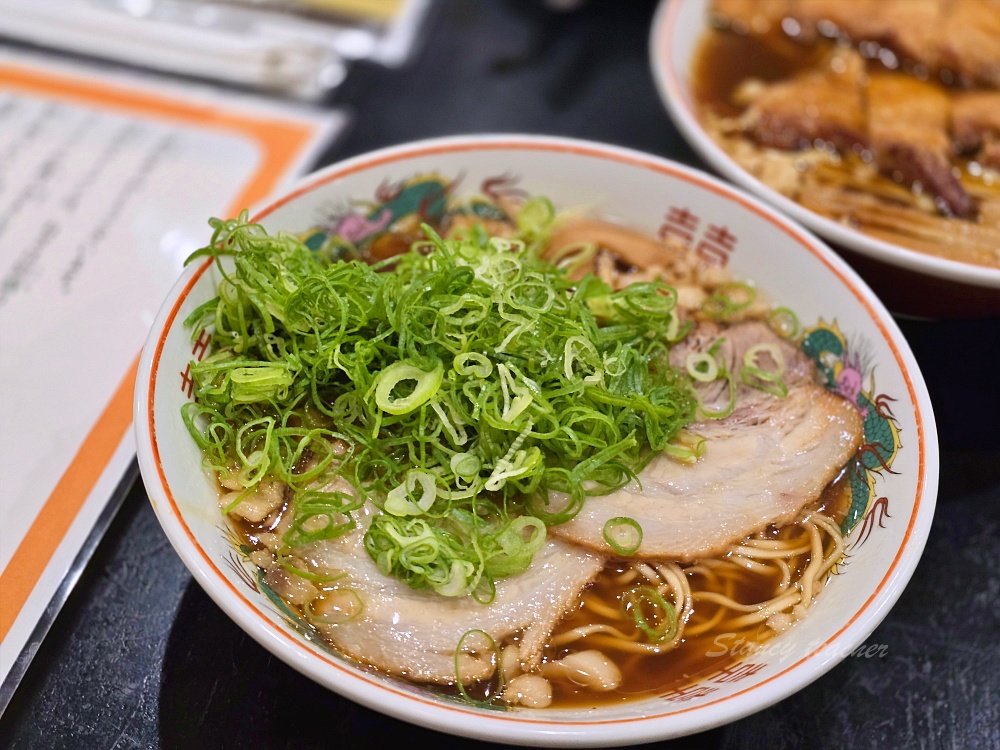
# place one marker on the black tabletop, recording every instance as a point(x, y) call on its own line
point(140, 657)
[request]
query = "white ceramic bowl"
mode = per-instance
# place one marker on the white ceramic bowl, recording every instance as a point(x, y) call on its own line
point(793, 267)
point(909, 282)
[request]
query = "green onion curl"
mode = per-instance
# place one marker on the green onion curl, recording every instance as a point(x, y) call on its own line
point(623, 535)
point(651, 613)
point(728, 299)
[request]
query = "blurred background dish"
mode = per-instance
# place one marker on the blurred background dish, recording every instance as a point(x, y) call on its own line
point(849, 333)
point(847, 119)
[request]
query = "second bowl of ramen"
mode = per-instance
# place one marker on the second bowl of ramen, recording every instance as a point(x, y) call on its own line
point(873, 123)
point(536, 440)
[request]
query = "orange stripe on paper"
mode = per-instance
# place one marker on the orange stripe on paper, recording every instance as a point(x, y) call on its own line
point(59, 511)
point(279, 142)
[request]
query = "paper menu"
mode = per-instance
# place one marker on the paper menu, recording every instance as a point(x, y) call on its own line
point(106, 184)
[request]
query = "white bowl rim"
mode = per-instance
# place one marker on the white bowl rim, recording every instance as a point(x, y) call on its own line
point(677, 101)
point(519, 728)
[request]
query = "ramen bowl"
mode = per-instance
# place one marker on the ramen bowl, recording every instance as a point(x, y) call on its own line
point(854, 339)
point(910, 283)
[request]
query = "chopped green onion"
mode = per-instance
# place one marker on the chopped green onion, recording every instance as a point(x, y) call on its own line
point(753, 374)
point(321, 515)
point(753, 355)
point(784, 322)
point(536, 218)
point(516, 395)
point(426, 385)
point(400, 500)
point(702, 366)
point(473, 644)
point(674, 331)
point(728, 299)
point(423, 555)
point(466, 465)
point(764, 381)
point(481, 368)
point(339, 606)
point(283, 561)
point(470, 380)
point(725, 410)
point(623, 535)
point(652, 614)
point(572, 257)
point(511, 550)
point(686, 447)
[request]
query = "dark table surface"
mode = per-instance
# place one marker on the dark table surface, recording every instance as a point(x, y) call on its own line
point(140, 657)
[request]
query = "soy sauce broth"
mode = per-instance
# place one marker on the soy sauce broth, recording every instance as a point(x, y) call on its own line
point(696, 658)
point(725, 59)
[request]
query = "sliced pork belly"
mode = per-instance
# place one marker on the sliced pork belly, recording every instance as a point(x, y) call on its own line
point(959, 36)
point(736, 340)
point(762, 464)
point(415, 633)
point(969, 41)
point(825, 105)
point(908, 125)
point(906, 27)
point(975, 123)
point(989, 155)
point(827, 17)
point(909, 28)
point(748, 16)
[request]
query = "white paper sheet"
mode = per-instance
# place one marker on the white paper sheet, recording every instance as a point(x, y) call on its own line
point(106, 185)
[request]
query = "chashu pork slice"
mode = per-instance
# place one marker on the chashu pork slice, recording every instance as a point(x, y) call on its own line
point(748, 16)
point(762, 464)
point(415, 633)
point(816, 105)
point(909, 28)
point(908, 122)
point(828, 17)
point(969, 41)
point(959, 38)
point(975, 123)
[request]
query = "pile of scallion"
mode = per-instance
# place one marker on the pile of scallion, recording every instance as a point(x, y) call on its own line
point(468, 379)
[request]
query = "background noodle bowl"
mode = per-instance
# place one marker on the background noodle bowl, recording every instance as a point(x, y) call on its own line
point(910, 199)
point(845, 186)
